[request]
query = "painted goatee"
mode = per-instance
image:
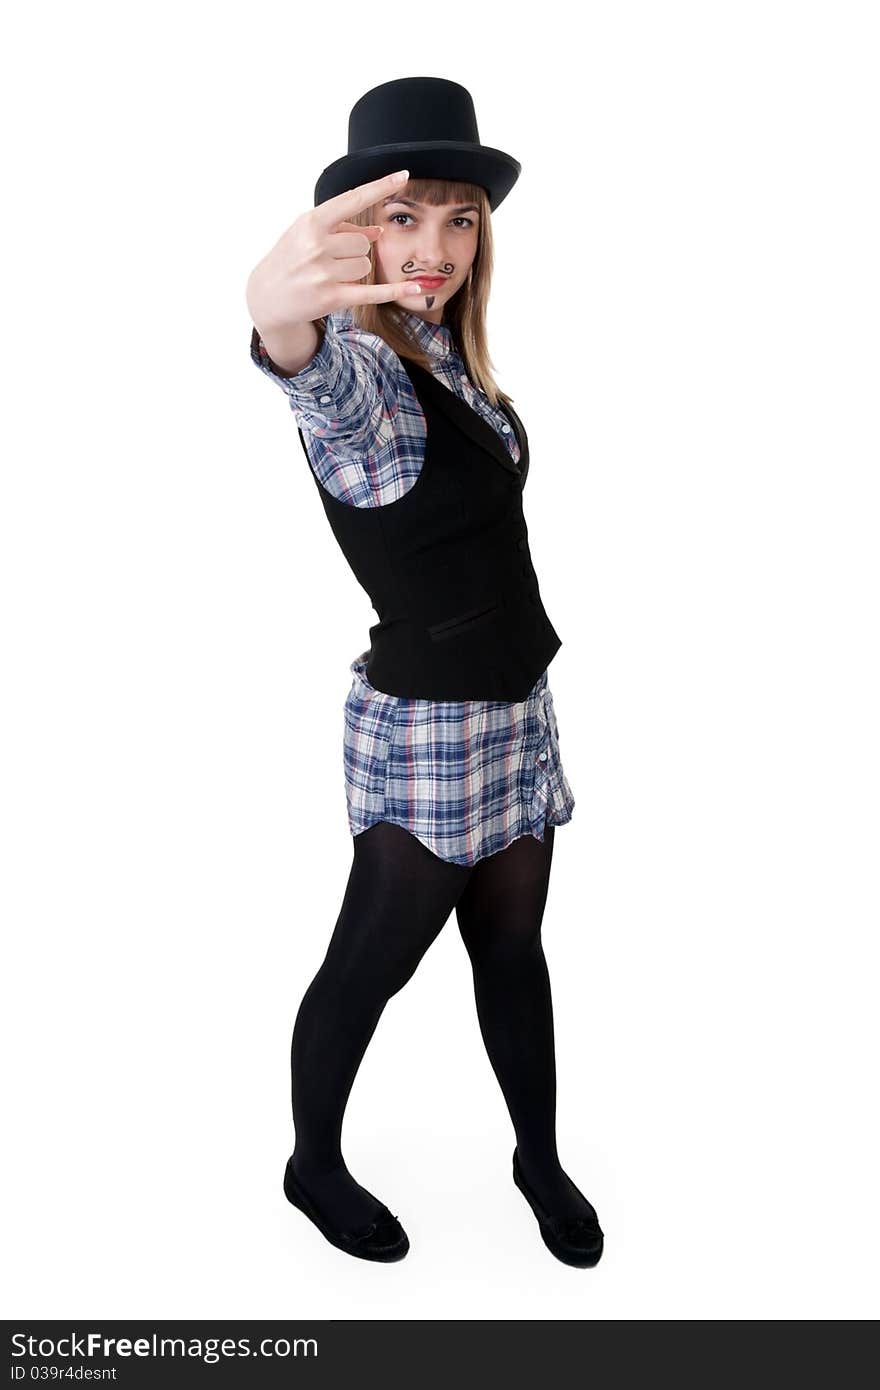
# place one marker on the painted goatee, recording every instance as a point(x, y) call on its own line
point(408, 268)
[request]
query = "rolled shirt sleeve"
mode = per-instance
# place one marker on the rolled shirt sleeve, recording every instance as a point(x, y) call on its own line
point(363, 427)
point(336, 396)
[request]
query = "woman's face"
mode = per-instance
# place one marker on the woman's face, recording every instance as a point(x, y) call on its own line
point(419, 241)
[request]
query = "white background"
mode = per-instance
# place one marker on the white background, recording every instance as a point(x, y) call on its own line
point(685, 311)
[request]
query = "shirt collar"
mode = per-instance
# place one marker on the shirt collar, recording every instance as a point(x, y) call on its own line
point(434, 338)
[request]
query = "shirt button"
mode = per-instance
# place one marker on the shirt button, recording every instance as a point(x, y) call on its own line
point(505, 429)
point(463, 378)
point(543, 757)
point(324, 400)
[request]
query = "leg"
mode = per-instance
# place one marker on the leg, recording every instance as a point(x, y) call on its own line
point(499, 917)
point(399, 896)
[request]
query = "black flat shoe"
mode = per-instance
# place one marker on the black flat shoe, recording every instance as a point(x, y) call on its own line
point(576, 1240)
point(383, 1239)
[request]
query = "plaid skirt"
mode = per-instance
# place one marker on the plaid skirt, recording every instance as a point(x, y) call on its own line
point(465, 777)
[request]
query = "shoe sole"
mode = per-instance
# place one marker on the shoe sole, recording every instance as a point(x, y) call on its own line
point(298, 1199)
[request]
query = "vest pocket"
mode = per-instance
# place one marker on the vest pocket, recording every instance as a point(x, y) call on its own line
point(451, 627)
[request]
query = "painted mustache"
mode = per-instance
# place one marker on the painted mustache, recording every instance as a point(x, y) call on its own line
point(409, 269)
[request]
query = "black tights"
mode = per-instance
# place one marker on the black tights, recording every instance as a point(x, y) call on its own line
point(398, 898)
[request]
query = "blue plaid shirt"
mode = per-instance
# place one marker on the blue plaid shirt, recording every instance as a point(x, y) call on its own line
point(364, 427)
point(465, 777)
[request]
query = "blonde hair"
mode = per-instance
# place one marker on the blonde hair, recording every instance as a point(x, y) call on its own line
point(465, 313)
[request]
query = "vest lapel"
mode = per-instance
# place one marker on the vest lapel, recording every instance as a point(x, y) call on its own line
point(473, 424)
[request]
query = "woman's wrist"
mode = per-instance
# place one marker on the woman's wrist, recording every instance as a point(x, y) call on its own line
point(291, 352)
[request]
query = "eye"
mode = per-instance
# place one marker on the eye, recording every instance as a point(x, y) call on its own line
point(394, 216)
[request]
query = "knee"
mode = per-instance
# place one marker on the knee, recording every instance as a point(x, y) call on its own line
point(367, 972)
point(501, 945)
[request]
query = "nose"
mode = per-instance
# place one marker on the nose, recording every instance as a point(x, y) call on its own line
point(432, 253)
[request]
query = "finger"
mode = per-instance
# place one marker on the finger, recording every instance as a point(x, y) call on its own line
point(356, 227)
point(351, 267)
point(340, 245)
point(358, 199)
point(381, 294)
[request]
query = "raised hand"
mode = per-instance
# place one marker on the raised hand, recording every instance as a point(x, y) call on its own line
point(314, 267)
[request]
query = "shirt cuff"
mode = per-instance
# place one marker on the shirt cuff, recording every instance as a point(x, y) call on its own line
point(317, 378)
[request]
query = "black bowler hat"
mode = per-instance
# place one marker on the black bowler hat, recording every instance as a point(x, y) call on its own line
point(426, 125)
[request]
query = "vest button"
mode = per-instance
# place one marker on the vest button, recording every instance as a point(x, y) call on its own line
point(521, 543)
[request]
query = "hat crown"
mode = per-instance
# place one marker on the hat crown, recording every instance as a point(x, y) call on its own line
point(426, 125)
point(412, 109)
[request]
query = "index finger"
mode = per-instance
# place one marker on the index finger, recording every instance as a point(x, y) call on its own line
point(345, 205)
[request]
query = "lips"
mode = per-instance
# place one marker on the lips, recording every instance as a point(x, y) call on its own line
point(433, 282)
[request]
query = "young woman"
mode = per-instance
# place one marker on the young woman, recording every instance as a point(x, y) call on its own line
point(370, 314)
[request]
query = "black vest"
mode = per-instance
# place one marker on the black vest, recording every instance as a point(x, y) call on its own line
point(447, 565)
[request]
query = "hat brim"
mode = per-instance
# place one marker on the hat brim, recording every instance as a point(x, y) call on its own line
point(491, 169)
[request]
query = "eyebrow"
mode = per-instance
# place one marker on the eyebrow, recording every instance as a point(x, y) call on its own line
point(408, 203)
